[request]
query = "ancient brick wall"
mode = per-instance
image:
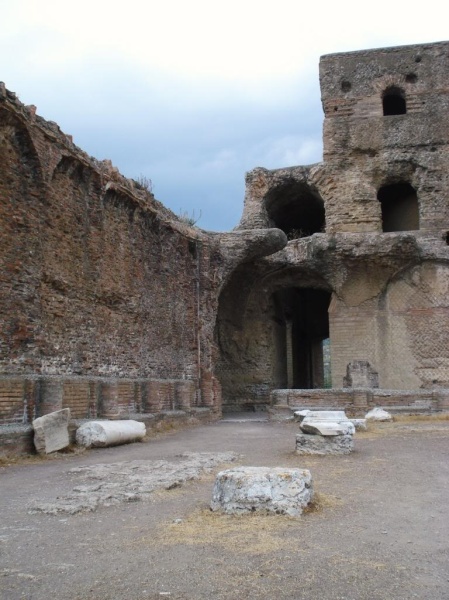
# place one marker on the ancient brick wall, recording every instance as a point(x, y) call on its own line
point(382, 247)
point(96, 279)
point(359, 401)
point(108, 301)
point(365, 149)
point(111, 306)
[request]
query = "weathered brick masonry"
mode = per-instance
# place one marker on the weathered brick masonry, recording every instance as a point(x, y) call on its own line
point(367, 263)
point(114, 307)
point(108, 301)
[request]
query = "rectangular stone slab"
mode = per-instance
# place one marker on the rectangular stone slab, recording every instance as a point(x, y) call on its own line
point(51, 432)
point(327, 415)
point(327, 428)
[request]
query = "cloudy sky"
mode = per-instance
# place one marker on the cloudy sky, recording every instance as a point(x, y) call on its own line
point(193, 94)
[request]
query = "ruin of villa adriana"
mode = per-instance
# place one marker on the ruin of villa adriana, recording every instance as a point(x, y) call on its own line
point(332, 292)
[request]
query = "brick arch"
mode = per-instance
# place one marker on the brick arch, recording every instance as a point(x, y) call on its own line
point(72, 167)
point(295, 207)
point(17, 142)
point(251, 332)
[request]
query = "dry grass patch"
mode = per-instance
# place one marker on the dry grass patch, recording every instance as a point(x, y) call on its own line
point(359, 563)
point(29, 459)
point(418, 419)
point(248, 533)
point(322, 502)
point(406, 424)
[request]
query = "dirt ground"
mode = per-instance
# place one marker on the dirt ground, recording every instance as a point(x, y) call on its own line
point(379, 529)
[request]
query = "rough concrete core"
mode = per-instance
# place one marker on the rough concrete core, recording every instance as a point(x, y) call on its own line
point(262, 489)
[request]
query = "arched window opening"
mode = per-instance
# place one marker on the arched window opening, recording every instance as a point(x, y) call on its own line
point(302, 338)
point(296, 209)
point(399, 206)
point(393, 102)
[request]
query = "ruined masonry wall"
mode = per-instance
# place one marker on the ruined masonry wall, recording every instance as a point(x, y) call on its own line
point(96, 281)
point(364, 150)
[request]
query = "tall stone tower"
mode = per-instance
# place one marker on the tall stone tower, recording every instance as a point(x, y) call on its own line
point(386, 136)
point(366, 268)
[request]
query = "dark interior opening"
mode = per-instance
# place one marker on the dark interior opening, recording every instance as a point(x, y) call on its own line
point(400, 208)
point(393, 102)
point(302, 338)
point(296, 209)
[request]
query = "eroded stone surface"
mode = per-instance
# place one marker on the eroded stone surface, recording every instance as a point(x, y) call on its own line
point(359, 424)
point(51, 432)
point(317, 444)
point(327, 428)
point(129, 481)
point(266, 489)
point(360, 374)
point(327, 423)
point(109, 433)
point(326, 415)
point(378, 414)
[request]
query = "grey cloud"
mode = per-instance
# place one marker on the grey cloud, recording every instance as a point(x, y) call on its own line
point(194, 139)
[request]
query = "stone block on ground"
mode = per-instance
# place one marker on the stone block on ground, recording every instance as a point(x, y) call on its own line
point(265, 489)
point(51, 432)
point(378, 414)
point(109, 433)
point(327, 423)
point(359, 424)
point(317, 444)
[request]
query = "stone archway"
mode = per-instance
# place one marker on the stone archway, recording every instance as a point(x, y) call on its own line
point(296, 208)
point(270, 331)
